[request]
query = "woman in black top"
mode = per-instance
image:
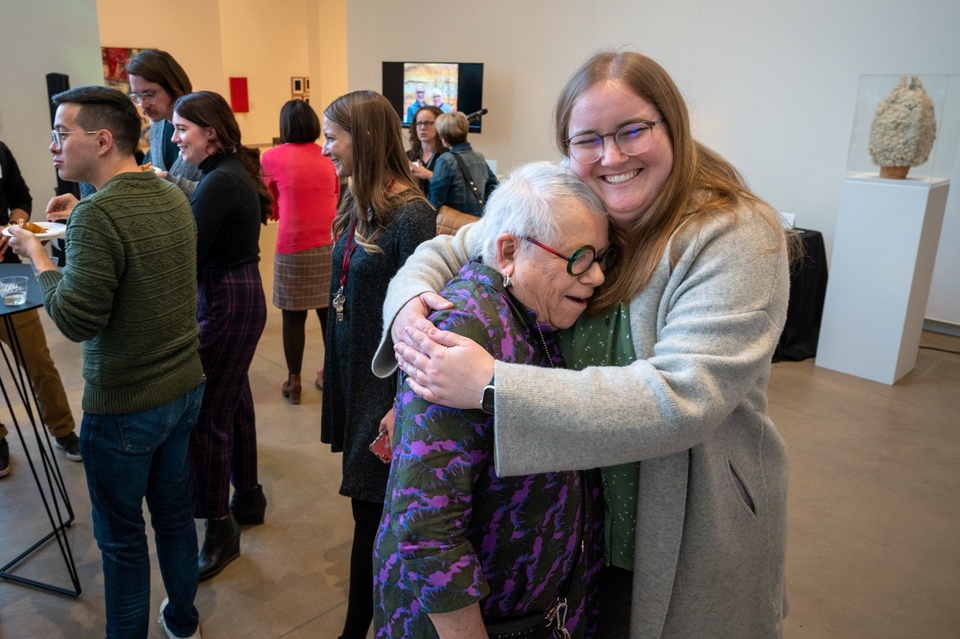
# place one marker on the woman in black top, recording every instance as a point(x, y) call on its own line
point(229, 204)
point(381, 221)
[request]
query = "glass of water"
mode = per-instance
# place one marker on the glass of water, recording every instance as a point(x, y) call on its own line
point(14, 290)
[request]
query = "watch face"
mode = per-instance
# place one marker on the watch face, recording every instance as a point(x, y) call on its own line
point(487, 403)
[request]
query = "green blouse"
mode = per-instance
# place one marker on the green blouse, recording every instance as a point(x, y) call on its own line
point(606, 341)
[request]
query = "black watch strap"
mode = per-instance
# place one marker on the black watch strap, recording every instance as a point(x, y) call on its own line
point(487, 399)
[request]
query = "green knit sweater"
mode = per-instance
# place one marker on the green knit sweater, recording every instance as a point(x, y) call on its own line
point(129, 293)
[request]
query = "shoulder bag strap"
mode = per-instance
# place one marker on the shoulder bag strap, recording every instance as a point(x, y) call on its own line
point(467, 178)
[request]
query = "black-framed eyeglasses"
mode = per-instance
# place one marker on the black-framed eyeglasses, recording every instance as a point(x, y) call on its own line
point(631, 139)
point(425, 123)
point(143, 96)
point(582, 259)
point(58, 136)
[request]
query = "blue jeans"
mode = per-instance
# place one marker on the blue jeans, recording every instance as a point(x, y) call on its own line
point(129, 457)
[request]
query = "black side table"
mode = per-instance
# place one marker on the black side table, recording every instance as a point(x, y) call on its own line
point(52, 489)
point(808, 287)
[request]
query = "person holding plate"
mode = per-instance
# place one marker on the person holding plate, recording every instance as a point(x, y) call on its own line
point(16, 205)
point(134, 310)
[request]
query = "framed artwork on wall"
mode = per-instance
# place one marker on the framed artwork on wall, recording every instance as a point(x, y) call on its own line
point(115, 76)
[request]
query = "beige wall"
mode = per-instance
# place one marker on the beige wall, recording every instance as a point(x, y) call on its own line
point(187, 29)
point(38, 37)
point(265, 42)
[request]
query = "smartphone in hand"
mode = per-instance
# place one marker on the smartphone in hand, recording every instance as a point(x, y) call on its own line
point(381, 447)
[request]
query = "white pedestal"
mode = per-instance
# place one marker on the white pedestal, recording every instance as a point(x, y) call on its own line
point(882, 262)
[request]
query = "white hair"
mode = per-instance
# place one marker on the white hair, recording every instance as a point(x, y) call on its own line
point(524, 205)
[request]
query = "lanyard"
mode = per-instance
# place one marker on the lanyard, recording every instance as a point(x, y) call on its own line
point(348, 251)
point(340, 299)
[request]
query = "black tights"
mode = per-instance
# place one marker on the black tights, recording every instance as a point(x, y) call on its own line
point(294, 336)
point(366, 517)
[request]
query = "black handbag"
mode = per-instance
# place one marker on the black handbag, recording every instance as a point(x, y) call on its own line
point(526, 627)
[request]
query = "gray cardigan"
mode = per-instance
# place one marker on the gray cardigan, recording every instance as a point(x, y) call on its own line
point(711, 521)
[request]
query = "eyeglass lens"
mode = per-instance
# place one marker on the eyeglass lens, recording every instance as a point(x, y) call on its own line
point(582, 260)
point(146, 96)
point(425, 123)
point(631, 139)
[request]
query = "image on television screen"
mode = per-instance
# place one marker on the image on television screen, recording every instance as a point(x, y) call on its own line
point(429, 83)
point(449, 86)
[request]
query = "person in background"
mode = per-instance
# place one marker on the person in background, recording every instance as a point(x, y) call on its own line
point(437, 97)
point(459, 545)
point(229, 205)
point(449, 185)
point(425, 146)
point(676, 357)
point(135, 312)
point(420, 101)
point(16, 204)
point(156, 81)
point(305, 191)
point(382, 219)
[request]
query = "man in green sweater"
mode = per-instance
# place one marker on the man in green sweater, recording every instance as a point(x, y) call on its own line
point(129, 294)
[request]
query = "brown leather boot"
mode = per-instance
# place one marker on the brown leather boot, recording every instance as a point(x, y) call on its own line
point(291, 388)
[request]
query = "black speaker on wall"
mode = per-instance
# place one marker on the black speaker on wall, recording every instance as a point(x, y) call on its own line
point(58, 83)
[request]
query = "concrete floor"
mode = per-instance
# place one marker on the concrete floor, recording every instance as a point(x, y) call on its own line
point(874, 511)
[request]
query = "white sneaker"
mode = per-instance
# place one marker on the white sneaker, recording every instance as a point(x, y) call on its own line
point(163, 623)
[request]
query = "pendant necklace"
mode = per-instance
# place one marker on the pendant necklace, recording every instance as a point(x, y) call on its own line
point(543, 341)
point(340, 299)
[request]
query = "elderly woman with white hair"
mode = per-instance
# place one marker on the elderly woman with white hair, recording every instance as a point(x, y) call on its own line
point(459, 546)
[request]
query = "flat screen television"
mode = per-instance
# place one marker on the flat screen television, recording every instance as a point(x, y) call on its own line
point(451, 86)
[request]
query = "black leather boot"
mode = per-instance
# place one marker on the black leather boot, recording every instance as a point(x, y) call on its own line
point(221, 545)
point(248, 506)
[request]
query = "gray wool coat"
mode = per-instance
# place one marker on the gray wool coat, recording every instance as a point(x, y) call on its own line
point(711, 521)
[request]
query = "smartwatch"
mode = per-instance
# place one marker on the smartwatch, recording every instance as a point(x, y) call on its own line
point(487, 399)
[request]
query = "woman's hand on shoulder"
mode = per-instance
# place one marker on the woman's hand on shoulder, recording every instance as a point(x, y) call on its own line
point(443, 367)
point(418, 308)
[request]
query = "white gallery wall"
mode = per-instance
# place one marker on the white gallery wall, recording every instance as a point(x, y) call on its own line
point(772, 86)
point(38, 37)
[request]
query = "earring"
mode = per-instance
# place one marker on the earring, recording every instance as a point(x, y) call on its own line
point(506, 281)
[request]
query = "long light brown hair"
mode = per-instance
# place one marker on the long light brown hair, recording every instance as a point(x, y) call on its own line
point(701, 183)
point(378, 158)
